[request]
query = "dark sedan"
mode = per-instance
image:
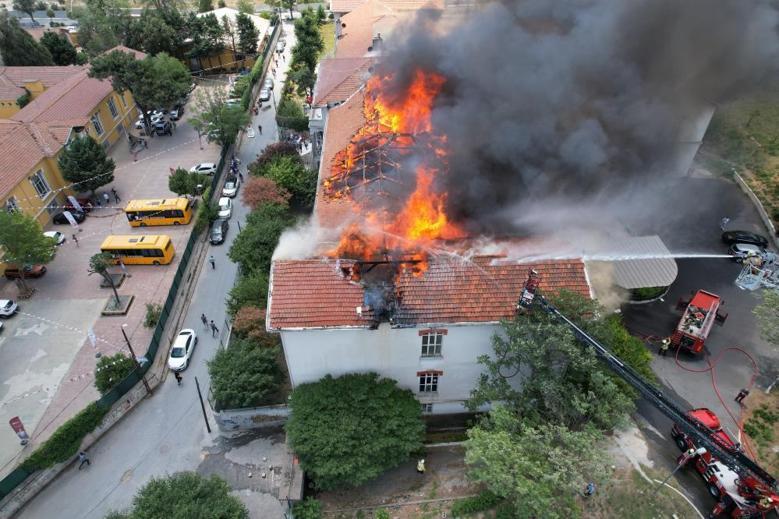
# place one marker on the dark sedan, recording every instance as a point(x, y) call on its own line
point(60, 218)
point(219, 231)
point(731, 237)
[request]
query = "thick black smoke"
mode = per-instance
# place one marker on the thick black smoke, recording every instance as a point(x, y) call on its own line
point(578, 100)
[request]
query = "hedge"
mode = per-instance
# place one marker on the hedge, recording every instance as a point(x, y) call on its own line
point(466, 506)
point(66, 440)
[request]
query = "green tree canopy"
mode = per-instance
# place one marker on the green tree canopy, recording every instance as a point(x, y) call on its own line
point(18, 48)
point(184, 495)
point(253, 248)
point(103, 24)
point(270, 153)
point(111, 370)
point(289, 173)
point(250, 289)
point(248, 35)
point(218, 121)
point(539, 468)
point(25, 6)
point(60, 48)
point(246, 6)
point(245, 374)
point(348, 430)
point(184, 182)
point(98, 264)
point(84, 163)
point(23, 242)
point(205, 5)
point(153, 33)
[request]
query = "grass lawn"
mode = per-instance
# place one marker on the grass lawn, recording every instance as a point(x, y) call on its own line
point(745, 136)
point(328, 35)
point(761, 423)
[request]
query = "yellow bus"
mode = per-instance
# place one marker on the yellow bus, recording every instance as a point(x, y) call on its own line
point(165, 211)
point(139, 249)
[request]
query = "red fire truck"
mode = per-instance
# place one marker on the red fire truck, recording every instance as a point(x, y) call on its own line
point(700, 314)
point(736, 495)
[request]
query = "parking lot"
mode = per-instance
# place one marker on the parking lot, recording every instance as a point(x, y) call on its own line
point(46, 359)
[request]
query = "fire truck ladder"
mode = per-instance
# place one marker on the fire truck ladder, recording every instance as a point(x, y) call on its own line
point(737, 461)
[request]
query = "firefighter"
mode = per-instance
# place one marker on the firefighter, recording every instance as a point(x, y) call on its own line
point(421, 466)
point(664, 345)
point(685, 457)
point(742, 395)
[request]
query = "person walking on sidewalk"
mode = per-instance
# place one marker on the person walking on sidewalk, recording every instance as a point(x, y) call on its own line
point(82, 457)
point(259, 127)
point(212, 262)
point(75, 240)
point(116, 195)
point(204, 319)
point(177, 375)
point(214, 329)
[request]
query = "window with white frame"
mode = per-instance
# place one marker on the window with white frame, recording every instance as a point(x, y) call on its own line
point(428, 381)
point(38, 181)
point(431, 344)
point(12, 205)
point(97, 124)
point(112, 109)
point(426, 408)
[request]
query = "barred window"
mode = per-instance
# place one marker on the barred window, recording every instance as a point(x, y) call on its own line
point(428, 382)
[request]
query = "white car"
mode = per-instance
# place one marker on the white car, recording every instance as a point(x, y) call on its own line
point(264, 95)
point(225, 207)
point(233, 102)
point(230, 188)
point(268, 84)
point(57, 236)
point(280, 46)
point(8, 307)
point(154, 118)
point(204, 168)
point(181, 352)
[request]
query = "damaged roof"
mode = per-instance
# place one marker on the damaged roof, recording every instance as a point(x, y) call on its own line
point(316, 294)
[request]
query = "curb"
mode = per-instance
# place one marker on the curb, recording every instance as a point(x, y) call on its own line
point(759, 206)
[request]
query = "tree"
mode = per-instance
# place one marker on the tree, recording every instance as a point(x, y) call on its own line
point(229, 31)
point(18, 48)
point(153, 33)
point(348, 430)
point(539, 468)
point(271, 153)
point(543, 374)
point(112, 370)
point(23, 242)
point(103, 24)
point(289, 4)
point(248, 35)
point(250, 289)
point(290, 174)
point(767, 313)
point(309, 508)
point(320, 14)
point(84, 163)
point(244, 375)
point(258, 191)
point(249, 323)
point(25, 6)
point(155, 81)
point(205, 5)
point(207, 211)
point(60, 48)
point(183, 182)
point(253, 248)
point(98, 264)
point(246, 7)
point(185, 494)
point(218, 121)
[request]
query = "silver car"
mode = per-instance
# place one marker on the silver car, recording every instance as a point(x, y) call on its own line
point(8, 307)
point(230, 188)
point(264, 94)
point(744, 250)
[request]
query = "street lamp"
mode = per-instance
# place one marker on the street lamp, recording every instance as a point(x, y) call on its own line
point(135, 359)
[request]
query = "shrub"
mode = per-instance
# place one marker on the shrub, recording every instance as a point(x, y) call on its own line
point(646, 293)
point(153, 313)
point(206, 212)
point(66, 440)
point(249, 323)
point(270, 154)
point(310, 508)
point(290, 115)
point(111, 370)
point(253, 248)
point(485, 500)
point(244, 375)
point(260, 190)
point(381, 513)
point(250, 289)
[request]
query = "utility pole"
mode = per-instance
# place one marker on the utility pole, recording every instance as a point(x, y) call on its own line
point(135, 359)
point(202, 405)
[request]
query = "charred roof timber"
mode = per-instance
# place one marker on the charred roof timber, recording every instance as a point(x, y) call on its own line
point(377, 277)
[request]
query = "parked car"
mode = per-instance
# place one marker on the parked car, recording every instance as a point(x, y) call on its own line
point(84, 201)
point(8, 307)
point(234, 101)
point(177, 112)
point(264, 95)
point(163, 128)
point(154, 118)
point(280, 46)
point(219, 231)
point(204, 168)
point(731, 237)
point(742, 250)
point(181, 352)
point(60, 218)
point(268, 83)
point(30, 271)
point(230, 188)
point(225, 207)
point(57, 236)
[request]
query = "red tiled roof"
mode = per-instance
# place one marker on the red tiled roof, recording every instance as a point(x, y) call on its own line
point(315, 294)
point(12, 79)
point(339, 78)
point(23, 145)
point(138, 54)
point(74, 98)
point(343, 121)
point(345, 6)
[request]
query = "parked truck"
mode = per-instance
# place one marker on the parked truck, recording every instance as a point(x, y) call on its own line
point(700, 314)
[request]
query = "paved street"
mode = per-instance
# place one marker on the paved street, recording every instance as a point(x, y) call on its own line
point(166, 433)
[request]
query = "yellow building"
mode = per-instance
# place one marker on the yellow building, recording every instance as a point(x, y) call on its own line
point(31, 140)
point(16, 81)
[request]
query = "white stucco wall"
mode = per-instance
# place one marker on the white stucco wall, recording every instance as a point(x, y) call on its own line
point(394, 353)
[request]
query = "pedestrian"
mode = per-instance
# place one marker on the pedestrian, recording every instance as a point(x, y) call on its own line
point(259, 127)
point(214, 329)
point(421, 466)
point(213, 263)
point(742, 395)
point(106, 199)
point(240, 176)
point(589, 490)
point(82, 457)
point(177, 375)
point(75, 240)
point(204, 319)
point(724, 223)
point(97, 201)
point(116, 195)
point(664, 346)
